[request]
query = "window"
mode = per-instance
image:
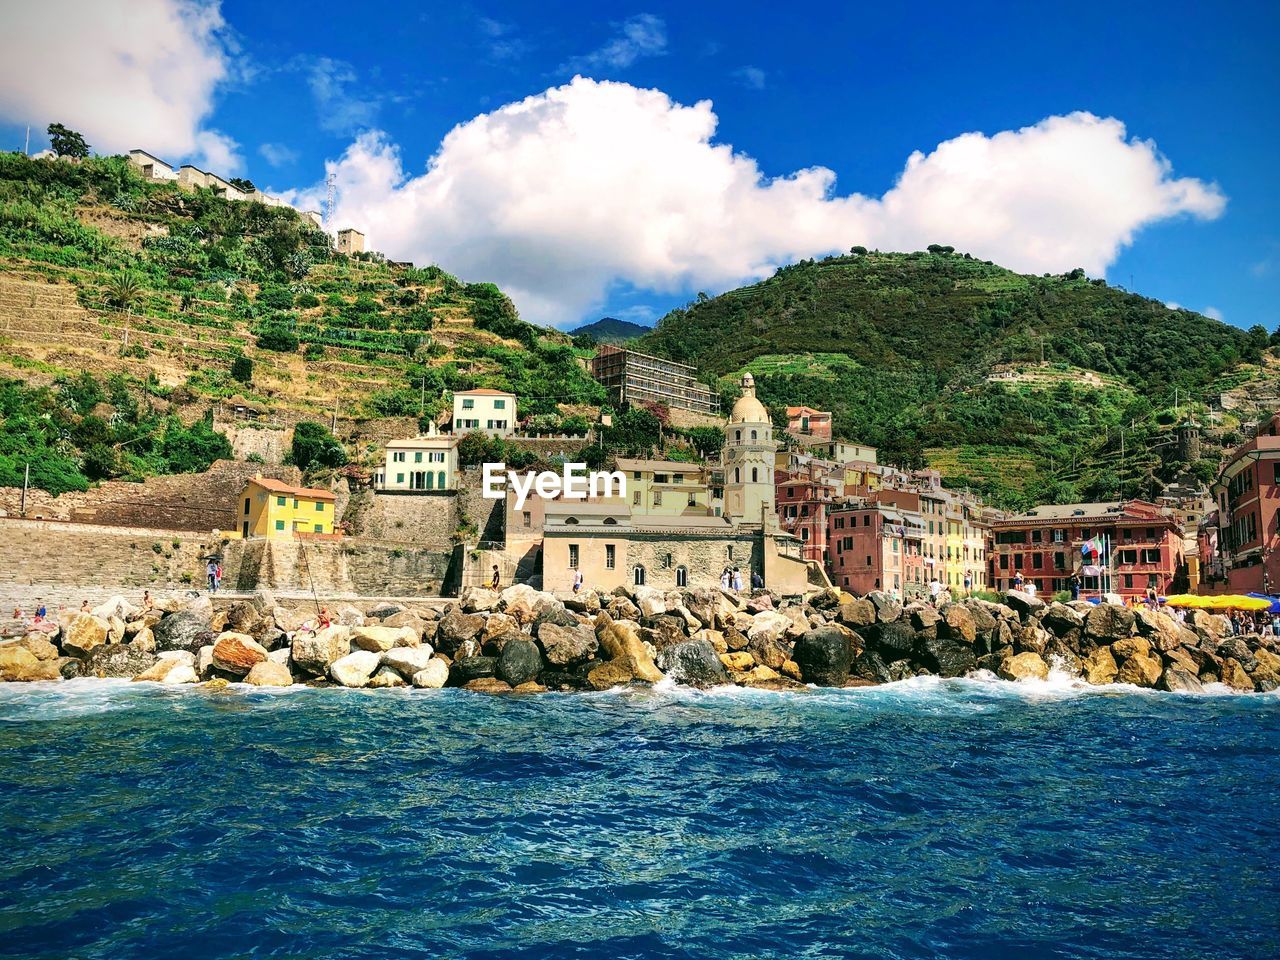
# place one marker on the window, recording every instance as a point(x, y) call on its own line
point(1060, 561)
point(737, 474)
point(279, 524)
point(528, 519)
point(1004, 561)
point(659, 478)
point(635, 498)
point(1151, 556)
point(666, 562)
point(657, 498)
point(1128, 556)
point(753, 434)
point(1128, 581)
point(637, 575)
point(468, 403)
point(755, 475)
point(440, 479)
point(397, 457)
point(571, 521)
point(693, 499)
point(866, 519)
point(804, 535)
point(610, 556)
point(682, 577)
point(319, 528)
point(417, 456)
point(610, 521)
point(868, 560)
point(573, 556)
point(295, 503)
point(399, 478)
point(737, 435)
point(319, 507)
point(1037, 561)
point(246, 506)
point(279, 501)
point(500, 404)
point(1036, 536)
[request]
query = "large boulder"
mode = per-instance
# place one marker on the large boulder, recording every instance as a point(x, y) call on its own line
point(959, 624)
point(1131, 647)
point(314, 653)
point(83, 634)
point(433, 676)
point(269, 674)
point(499, 630)
point(566, 645)
point(888, 607)
point(619, 641)
point(17, 663)
point(856, 613)
point(385, 678)
point(947, 657)
point(1023, 604)
point(1062, 620)
point(237, 653)
point(870, 666)
point(380, 639)
point(117, 607)
point(769, 625)
point(1107, 623)
point(1024, 666)
point(1141, 669)
point(38, 645)
point(478, 600)
point(355, 669)
point(769, 652)
point(825, 656)
point(1099, 666)
point(407, 661)
point(172, 668)
point(472, 668)
point(694, 663)
point(122, 660)
point(1235, 676)
point(1238, 649)
point(519, 662)
point(893, 641)
point(185, 630)
point(455, 629)
point(616, 673)
point(1177, 680)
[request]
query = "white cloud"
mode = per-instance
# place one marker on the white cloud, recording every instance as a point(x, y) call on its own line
point(1213, 313)
point(1173, 305)
point(125, 73)
point(753, 78)
point(501, 40)
point(643, 35)
point(340, 109)
point(277, 154)
point(565, 194)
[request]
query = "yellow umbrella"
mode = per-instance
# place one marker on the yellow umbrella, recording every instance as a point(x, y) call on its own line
point(1184, 600)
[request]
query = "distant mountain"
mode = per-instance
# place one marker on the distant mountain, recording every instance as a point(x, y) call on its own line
point(1019, 386)
point(612, 330)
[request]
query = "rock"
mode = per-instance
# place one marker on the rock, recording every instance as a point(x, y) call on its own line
point(888, 607)
point(893, 641)
point(769, 652)
point(869, 666)
point(738, 662)
point(1177, 680)
point(1182, 660)
point(1235, 676)
point(70, 668)
point(922, 616)
point(242, 616)
point(1267, 670)
point(315, 653)
point(173, 667)
point(184, 630)
point(39, 646)
point(349, 616)
point(1131, 647)
point(407, 661)
point(237, 653)
point(693, 663)
point(409, 619)
point(216, 684)
point(717, 640)
point(487, 685)
point(268, 673)
point(204, 660)
point(552, 611)
point(959, 624)
point(948, 657)
point(433, 676)
point(355, 669)
point(122, 660)
point(564, 646)
point(1099, 666)
point(115, 630)
point(1106, 623)
point(588, 601)
point(1023, 604)
point(1061, 620)
point(145, 639)
point(617, 672)
point(381, 639)
point(856, 613)
point(828, 599)
point(478, 600)
point(455, 629)
point(1141, 669)
point(791, 669)
point(386, 677)
point(1236, 648)
point(1024, 666)
point(761, 675)
point(499, 630)
point(84, 634)
point(768, 625)
point(825, 656)
point(117, 607)
point(19, 664)
point(519, 662)
point(472, 668)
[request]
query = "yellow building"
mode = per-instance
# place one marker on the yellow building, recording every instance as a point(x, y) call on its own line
point(271, 508)
point(667, 488)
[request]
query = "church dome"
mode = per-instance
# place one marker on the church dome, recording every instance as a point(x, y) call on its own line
point(748, 409)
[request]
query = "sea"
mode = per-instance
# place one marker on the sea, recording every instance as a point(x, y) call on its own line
point(927, 818)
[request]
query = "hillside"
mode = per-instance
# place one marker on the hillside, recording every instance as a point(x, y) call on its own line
point(610, 330)
point(1018, 386)
point(129, 309)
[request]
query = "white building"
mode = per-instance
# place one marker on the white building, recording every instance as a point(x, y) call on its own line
point(418, 464)
point(749, 455)
point(153, 168)
point(488, 411)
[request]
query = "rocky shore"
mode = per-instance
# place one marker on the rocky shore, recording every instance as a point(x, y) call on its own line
point(525, 641)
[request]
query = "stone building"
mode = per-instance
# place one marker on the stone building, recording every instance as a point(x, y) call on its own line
point(877, 546)
point(350, 241)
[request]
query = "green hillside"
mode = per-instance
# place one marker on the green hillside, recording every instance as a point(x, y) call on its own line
point(129, 308)
point(610, 330)
point(937, 357)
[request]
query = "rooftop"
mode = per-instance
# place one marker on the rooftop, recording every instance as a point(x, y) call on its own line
point(482, 392)
point(279, 486)
point(658, 466)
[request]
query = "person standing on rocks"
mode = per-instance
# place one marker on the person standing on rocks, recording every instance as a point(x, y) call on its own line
point(493, 584)
point(211, 573)
point(577, 581)
point(968, 583)
point(737, 580)
point(1073, 584)
point(935, 590)
point(726, 579)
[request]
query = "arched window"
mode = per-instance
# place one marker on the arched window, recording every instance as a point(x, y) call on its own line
point(682, 577)
point(571, 521)
point(440, 484)
point(737, 474)
point(755, 475)
point(431, 477)
point(637, 575)
point(753, 435)
point(737, 434)
point(610, 521)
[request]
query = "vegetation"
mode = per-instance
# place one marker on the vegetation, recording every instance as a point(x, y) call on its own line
point(66, 143)
point(314, 446)
point(608, 330)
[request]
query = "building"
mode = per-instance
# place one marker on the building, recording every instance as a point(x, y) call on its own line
point(152, 168)
point(1140, 545)
point(838, 451)
point(419, 464)
point(749, 455)
point(279, 510)
point(807, 422)
point(350, 241)
point(803, 505)
point(191, 177)
point(667, 488)
point(877, 546)
point(488, 411)
point(1247, 495)
point(632, 377)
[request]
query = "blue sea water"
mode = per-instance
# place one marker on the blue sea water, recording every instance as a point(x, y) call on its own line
point(955, 818)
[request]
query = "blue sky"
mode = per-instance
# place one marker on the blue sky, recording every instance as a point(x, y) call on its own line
point(542, 203)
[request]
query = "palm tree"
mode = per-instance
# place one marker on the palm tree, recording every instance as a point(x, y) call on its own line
point(124, 292)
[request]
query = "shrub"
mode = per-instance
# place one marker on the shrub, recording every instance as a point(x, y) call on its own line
point(242, 369)
point(314, 351)
point(306, 301)
point(314, 446)
point(277, 339)
point(275, 298)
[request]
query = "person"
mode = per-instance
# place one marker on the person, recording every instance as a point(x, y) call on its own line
point(322, 619)
point(211, 572)
point(935, 590)
point(1153, 599)
point(1031, 588)
point(147, 602)
point(726, 579)
point(737, 580)
point(84, 607)
point(757, 581)
point(1074, 584)
point(968, 583)
point(577, 580)
point(493, 584)
point(1017, 580)
point(218, 576)
point(18, 613)
point(1275, 624)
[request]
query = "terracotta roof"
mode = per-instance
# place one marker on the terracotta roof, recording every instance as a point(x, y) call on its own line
point(279, 486)
point(483, 392)
point(659, 466)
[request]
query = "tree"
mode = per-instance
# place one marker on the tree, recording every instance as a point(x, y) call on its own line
point(242, 369)
point(66, 142)
point(124, 291)
point(240, 183)
point(277, 339)
point(314, 446)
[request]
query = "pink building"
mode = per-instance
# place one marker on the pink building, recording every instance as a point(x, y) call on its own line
point(876, 547)
point(807, 422)
point(1247, 492)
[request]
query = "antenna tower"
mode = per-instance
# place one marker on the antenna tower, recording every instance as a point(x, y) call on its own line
point(330, 200)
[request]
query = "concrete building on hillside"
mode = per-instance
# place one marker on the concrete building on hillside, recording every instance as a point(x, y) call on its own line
point(803, 504)
point(488, 411)
point(350, 241)
point(632, 377)
point(1247, 493)
point(151, 167)
point(419, 464)
point(809, 423)
point(274, 509)
point(1141, 546)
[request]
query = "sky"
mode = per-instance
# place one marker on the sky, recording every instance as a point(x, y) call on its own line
point(618, 159)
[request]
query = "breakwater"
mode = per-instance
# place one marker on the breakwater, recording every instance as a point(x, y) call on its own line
point(523, 640)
